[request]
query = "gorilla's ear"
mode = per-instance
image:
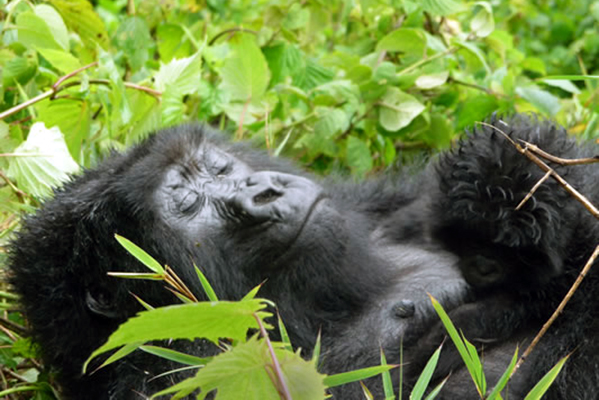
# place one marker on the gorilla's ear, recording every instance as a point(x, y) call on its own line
point(100, 303)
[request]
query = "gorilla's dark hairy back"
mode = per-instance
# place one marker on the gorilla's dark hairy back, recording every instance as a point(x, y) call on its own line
point(352, 260)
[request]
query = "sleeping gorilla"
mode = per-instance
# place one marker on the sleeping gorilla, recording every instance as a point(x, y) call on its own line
point(354, 261)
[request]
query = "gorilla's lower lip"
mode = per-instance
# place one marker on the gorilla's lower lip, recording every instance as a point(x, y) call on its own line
point(298, 234)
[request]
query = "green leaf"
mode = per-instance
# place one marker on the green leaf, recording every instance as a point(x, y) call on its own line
point(180, 76)
point(243, 373)
point(55, 23)
point(209, 320)
point(206, 285)
point(543, 385)
point(42, 161)
point(472, 364)
point(140, 254)
point(18, 70)
point(120, 353)
point(133, 38)
point(61, 60)
point(482, 25)
point(503, 381)
point(356, 375)
point(34, 32)
point(425, 376)
point(80, 17)
point(358, 156)
point(433, 80)
point(171, 42)
point(442, 7)
point(387, 383)
point(175, 356)
point(398, 109)
point(563, 84)
point(245, 73)
point(541, 99)
point(408, 41)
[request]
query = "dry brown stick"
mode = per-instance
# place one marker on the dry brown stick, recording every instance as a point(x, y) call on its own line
point(558, 310)
point(528, 152)
point(533, 190)
point(546, 168)
point(558, 160)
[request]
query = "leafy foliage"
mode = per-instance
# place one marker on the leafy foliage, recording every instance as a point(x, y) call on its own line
point(349, 85)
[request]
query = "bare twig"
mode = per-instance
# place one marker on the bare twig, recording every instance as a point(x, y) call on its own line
point(71, 74)
point(56, 89)
point(230, 31)
point(558, 160)
point(541, 164)
point(559, 309)
point(533, 190)
point(528, 151)
point(280, 379)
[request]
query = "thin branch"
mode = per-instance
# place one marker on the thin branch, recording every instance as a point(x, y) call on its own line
point(558, 310)
point(280, 379)
point(533, 190)
point(529, 153)
point(56, 89)
point(425, 61)
point(71, 74)
point(227, 31)
point(558, 160)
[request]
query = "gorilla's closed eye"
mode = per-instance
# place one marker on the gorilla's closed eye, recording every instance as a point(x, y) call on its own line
point(189, 203)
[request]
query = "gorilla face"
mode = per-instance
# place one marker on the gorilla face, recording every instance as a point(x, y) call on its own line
point(212, 194)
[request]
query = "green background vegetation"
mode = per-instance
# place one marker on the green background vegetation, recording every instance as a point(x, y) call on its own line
point(349, 86)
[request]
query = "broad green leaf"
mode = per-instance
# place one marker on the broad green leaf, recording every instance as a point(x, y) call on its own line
point(482, 25)
point(408, 41)
point(284, 60)
point(356, 375)
point(331, 122)
point(563, 84)
point(543, 385)
point(42, 161)
point(133, 38)
point(180, 76)
point(442, 7)
point(34, 32)
point(80, 17)
point(173, 355)
point(209, 320)
point(425, 376)
point(55, 24)
point(171, 42)
point(541, 99)
point(243, 373)
point(475, 53)
point(63, 61)
point(140, 254)
point(398, 109)
point(73, 118)
point(312, 75)
point(431, 81)
point(358, 156)
point(18, 70)
point(245, 73)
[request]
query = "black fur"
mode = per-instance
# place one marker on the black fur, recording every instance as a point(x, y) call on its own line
point(356, 261)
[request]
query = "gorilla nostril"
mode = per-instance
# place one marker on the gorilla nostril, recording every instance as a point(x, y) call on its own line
point(266, 196)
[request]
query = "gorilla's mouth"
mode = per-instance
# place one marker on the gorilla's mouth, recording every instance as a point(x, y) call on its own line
point(292, 244)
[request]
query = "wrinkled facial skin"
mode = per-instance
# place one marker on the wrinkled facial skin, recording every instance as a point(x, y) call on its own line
point(212, 193)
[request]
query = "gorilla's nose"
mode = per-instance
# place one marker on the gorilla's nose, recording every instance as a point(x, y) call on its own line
point(264, 187)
